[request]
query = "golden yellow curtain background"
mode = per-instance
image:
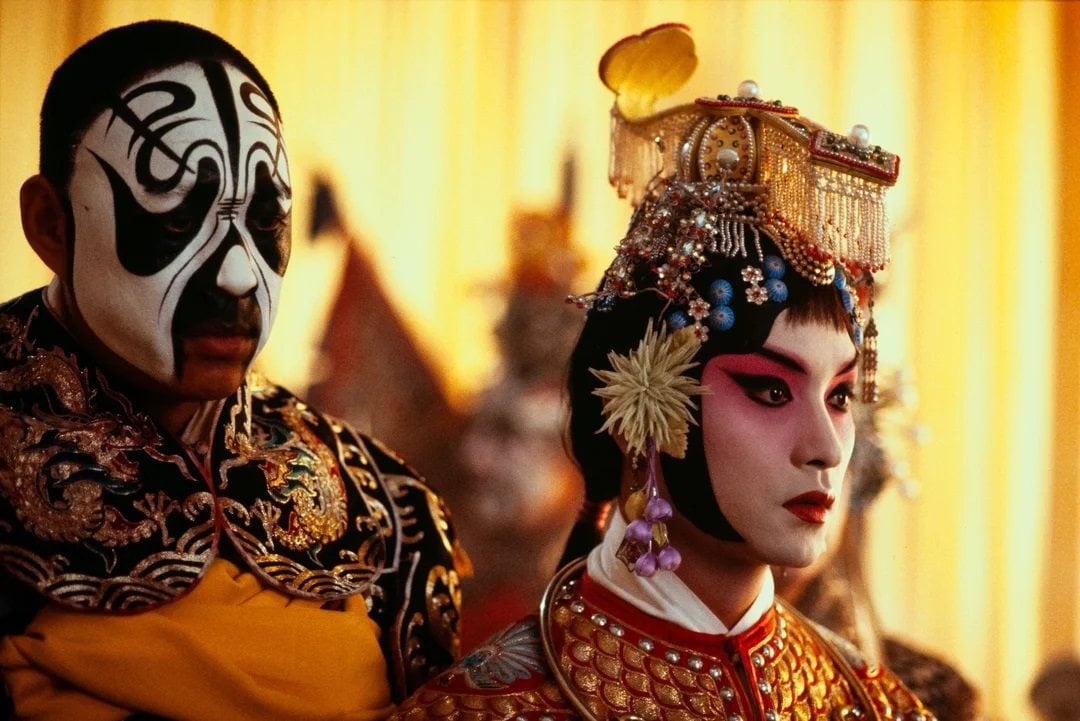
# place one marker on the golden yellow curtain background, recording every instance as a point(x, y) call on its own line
point(437, 120)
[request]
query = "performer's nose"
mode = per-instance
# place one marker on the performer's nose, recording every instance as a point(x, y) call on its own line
point(236, 275)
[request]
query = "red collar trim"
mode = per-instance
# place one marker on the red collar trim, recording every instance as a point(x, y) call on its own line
point(668, 633)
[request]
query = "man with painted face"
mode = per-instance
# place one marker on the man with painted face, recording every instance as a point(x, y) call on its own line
point(180, 538)
point(710, 398)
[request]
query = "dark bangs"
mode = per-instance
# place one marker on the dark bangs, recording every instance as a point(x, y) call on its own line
point(822, 305)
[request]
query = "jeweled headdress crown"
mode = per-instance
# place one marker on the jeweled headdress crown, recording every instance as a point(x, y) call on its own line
point(780, 169)
point(705, 177)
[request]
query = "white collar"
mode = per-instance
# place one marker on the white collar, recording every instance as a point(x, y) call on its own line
point(665, 596)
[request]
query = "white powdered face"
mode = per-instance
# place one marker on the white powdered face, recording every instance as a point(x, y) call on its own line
point(181, 198)
point(778, 435)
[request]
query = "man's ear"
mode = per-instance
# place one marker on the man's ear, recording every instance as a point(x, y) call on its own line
point(45, 223)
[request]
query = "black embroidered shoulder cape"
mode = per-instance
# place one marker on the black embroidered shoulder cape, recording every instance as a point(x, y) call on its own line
point(102, 511)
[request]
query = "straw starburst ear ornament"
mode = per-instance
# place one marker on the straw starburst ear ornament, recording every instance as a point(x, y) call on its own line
point(647, 395)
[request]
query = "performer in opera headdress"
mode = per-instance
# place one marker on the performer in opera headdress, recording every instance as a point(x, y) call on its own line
point(711, 396)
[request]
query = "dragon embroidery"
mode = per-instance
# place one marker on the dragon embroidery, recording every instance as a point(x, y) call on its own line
point(102, 511)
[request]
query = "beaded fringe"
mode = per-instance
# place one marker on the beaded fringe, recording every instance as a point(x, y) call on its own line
point(632, 160)
point(842, 215)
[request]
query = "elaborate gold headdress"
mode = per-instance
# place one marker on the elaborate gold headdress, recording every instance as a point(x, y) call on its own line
point(818, 190)
point(701, 174)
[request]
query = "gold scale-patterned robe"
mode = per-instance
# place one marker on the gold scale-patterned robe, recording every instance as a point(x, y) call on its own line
point(590, 655)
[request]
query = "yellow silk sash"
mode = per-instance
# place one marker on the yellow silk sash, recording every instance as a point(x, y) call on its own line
point(231, 649)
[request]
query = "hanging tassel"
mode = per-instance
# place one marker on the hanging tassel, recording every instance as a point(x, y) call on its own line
point(870, 353)
point(646, 547)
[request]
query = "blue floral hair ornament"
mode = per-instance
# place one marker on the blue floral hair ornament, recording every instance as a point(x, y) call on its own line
point(774, 266)
point(850, 301)
point(847, 299)
point(721, 318)
point(677, 320)
point(721, 292)
point(777, 290)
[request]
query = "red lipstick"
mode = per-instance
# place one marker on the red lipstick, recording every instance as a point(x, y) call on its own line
point(811, 507)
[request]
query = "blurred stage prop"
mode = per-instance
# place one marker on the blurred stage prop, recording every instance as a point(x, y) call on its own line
point(367, 368)
point(500, 462)
point(1055, 693)
point(522, 489)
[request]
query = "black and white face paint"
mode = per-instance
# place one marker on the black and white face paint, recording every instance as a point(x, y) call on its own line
point(181, 198)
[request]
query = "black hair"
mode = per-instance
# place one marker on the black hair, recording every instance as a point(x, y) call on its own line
point(619, 330)
point(92, 76)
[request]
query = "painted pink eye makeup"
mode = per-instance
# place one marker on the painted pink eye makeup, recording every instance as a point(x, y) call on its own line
point(764, 390)
point(767, 377)
point(845, 378)
point(765, 381)
point(759, 364)
point(843, 392)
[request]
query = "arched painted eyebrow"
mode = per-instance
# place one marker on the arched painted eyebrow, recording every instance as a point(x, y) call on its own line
point(792, 363)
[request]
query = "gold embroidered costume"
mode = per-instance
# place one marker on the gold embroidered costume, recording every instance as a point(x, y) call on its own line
point(592, 656)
